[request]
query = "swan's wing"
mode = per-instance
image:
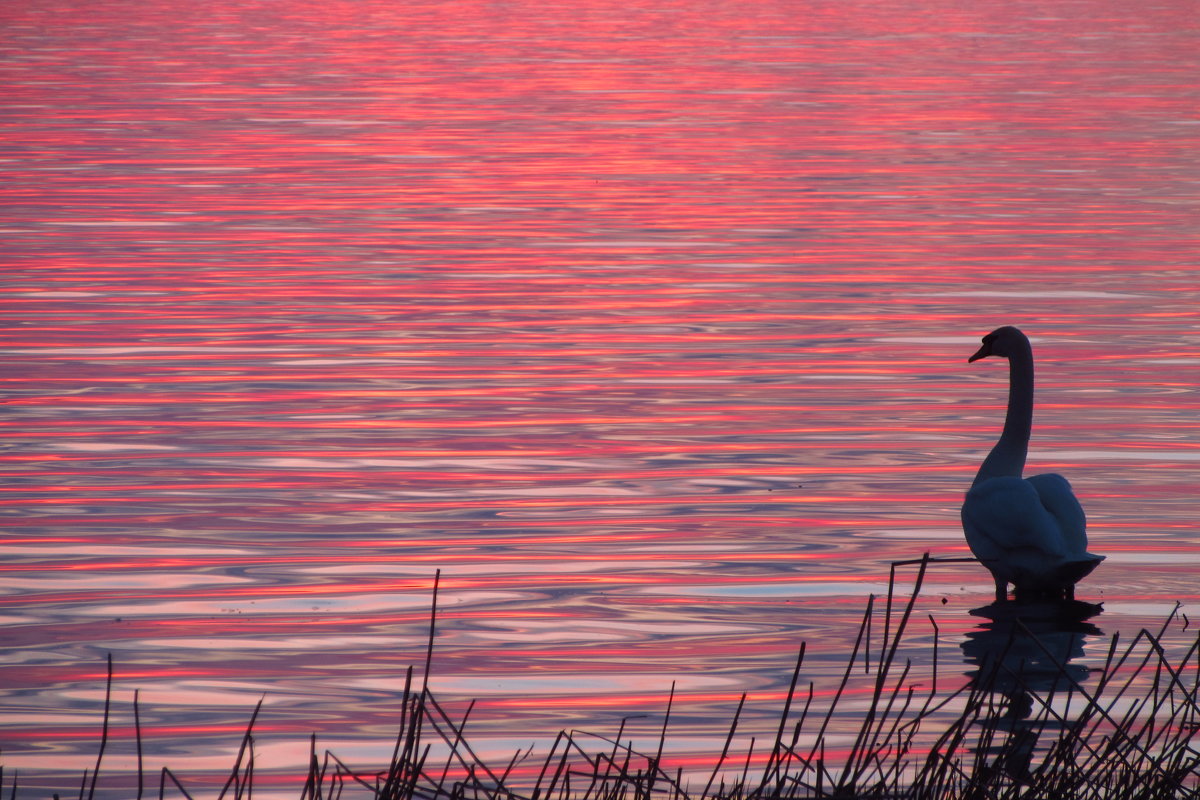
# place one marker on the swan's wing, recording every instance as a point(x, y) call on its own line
point(981, 539)
point(1056, 496)
point(1004, 516)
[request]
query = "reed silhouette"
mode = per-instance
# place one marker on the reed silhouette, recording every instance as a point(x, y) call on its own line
point(1022, 727)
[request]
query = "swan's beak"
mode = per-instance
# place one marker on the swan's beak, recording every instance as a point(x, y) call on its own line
point(984, 352)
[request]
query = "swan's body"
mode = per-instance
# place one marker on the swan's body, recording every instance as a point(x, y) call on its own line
point(1030, 532)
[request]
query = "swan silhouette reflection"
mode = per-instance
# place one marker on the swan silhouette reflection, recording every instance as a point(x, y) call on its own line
point(1023, 658)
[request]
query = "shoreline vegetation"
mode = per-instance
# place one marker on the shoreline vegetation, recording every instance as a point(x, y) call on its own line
point(1026, 724)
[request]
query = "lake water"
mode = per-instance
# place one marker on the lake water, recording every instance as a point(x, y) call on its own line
point(646, 324)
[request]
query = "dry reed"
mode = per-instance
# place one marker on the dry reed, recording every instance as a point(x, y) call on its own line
point(1024, 727)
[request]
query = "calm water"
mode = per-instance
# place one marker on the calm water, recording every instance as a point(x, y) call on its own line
point(647, 325)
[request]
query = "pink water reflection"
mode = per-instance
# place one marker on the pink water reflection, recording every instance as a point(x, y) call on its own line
point(645, 324)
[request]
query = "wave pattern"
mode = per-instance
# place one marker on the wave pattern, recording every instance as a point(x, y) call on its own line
point(646, 325)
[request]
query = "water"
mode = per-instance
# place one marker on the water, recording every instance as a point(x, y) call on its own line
point(646, 325)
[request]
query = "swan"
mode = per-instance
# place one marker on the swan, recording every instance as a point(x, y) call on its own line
point(1030, 532)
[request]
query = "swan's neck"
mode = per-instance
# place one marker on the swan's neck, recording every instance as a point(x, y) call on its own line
point(1008, 456)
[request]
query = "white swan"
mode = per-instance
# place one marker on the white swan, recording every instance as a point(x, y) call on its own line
point(1029, 532)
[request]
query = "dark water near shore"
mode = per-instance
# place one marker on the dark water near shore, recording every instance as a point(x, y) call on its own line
point(646, 325)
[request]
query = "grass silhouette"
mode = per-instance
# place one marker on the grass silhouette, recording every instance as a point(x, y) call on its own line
point(1023, 726)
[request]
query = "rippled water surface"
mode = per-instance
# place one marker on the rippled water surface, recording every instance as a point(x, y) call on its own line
point(646, 324)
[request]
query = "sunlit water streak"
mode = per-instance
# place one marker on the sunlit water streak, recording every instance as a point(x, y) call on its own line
point(646, 325)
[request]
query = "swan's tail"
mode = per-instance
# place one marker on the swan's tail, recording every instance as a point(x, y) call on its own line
point(1076, 569)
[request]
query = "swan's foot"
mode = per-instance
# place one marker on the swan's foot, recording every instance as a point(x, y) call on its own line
point(1044, 593)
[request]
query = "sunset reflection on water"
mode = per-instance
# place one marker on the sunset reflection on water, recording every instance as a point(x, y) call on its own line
point(646, 325)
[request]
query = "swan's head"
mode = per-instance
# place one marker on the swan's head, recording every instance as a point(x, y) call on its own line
point(1004, 342)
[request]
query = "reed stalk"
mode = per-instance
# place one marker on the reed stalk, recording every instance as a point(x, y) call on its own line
point(1134, 735)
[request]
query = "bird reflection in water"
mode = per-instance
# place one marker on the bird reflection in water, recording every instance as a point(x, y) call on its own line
point(1022, 656)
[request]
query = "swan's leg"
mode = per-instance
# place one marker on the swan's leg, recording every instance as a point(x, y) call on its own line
point(1001, 589)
